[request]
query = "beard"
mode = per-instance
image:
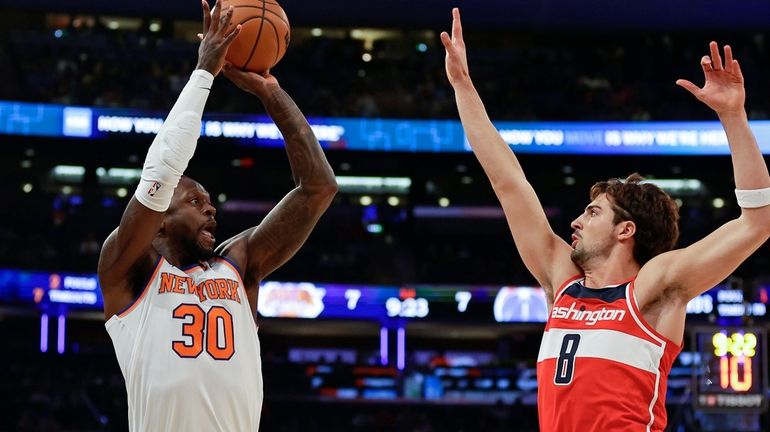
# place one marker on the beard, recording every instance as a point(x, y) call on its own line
point(197, 251)
point(582, 255)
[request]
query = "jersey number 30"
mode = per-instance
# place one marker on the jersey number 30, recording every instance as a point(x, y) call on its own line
point(565, 364)
point(214, 327)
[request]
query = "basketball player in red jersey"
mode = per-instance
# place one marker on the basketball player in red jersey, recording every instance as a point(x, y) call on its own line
point(181, 312)
point(618, 292)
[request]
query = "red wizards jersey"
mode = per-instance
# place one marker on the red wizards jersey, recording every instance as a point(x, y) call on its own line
point(601, 367)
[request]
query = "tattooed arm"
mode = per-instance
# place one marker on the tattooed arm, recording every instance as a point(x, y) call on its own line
point(262, 249)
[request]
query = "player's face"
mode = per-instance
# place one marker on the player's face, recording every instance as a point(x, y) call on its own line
point(191, 219)
point(593, 236)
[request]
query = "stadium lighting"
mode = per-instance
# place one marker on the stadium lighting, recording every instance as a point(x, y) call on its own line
point(374, 185)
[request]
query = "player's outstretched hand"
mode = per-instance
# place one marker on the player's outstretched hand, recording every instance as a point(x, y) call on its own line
point(214, 39)
point(250, 82)
point(456, 59)
point(723, 91)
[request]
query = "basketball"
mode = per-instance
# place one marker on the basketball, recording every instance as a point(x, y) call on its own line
point(264, 34)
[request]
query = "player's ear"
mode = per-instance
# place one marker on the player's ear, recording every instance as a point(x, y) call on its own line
point(626, 230)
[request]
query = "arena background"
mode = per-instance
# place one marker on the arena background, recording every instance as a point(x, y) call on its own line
point(418, 314)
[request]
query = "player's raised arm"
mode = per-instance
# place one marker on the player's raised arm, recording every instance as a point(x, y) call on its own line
point(129, 246)
point(546, 255)
point(699, 267)
point(266, 247)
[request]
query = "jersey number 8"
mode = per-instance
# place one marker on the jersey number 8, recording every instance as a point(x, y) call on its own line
point(565, 364)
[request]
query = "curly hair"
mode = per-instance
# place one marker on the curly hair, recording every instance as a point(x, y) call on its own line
point(654, 212)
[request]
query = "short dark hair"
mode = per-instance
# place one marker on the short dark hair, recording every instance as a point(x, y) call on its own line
point(654, 212)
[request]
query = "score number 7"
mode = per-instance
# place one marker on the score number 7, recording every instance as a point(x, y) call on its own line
point(463, 298)
point(352, 296)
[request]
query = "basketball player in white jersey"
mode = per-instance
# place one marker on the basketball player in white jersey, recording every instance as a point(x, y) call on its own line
point(618, 292)
point(180, 311)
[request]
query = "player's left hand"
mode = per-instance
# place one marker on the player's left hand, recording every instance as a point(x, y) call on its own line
point(251, 82)
point(723, 91)
point(215, 40)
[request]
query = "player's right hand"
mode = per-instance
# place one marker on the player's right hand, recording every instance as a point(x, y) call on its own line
point(214, 40)
point(254, 83)
point(456, 59)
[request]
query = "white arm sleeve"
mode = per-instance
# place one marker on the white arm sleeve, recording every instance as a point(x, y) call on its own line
point(174, 146)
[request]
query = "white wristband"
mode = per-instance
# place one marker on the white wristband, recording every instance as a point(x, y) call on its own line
point(753, 198)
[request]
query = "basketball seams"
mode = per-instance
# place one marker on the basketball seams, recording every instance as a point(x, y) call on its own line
point(254, 53)
point(227, 3)
point(259, 35)
point(242, 23)
point(277, 40)
point(263, 1)
point(264, 10)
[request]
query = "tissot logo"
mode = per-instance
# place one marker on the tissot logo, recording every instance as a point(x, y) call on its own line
point(590, 317)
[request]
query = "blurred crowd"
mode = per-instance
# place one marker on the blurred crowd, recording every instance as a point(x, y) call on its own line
point(521, 76)
point(49, 229)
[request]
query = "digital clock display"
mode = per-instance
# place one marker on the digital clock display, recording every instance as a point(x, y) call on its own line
point(732, 372)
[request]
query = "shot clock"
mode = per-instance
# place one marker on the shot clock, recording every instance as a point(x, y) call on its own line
point(732, 372)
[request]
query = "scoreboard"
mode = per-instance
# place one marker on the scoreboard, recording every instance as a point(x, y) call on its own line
point(414, 302)
point(53, 292)
point(732, 372)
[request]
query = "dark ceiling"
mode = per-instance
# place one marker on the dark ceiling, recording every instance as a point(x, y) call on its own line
point(496, 14)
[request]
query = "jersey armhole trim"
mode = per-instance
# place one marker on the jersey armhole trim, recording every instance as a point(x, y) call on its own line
point(110, 322)
point(565, 285)
point(234, 268)
point(639, 318)
point(232, 264)
point(130, 307)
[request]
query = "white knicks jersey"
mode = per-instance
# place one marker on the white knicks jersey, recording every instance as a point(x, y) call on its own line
point(189, 351)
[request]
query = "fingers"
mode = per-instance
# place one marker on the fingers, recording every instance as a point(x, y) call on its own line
point(200, 36)
point(728, 58)
point(736, 70)
point(231, 70)
point(231, 37)
point(457, 28)
point(235, 75)
point(219, 22)
point(687, 85)
point(224, 20)
point(446, 40)
point(206, 18)
point(716, 59)
point(214, 23)
point(705, 63)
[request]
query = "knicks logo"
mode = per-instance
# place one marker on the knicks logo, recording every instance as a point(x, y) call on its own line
point(153, 189)
point(590, 317)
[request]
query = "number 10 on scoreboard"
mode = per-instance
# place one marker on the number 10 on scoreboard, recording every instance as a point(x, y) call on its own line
point(731, 374)
point(735, 369)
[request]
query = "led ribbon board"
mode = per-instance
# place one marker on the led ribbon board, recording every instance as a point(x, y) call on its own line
point(403, 135)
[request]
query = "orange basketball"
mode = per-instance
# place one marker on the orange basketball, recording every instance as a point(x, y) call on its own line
point(264, 34)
